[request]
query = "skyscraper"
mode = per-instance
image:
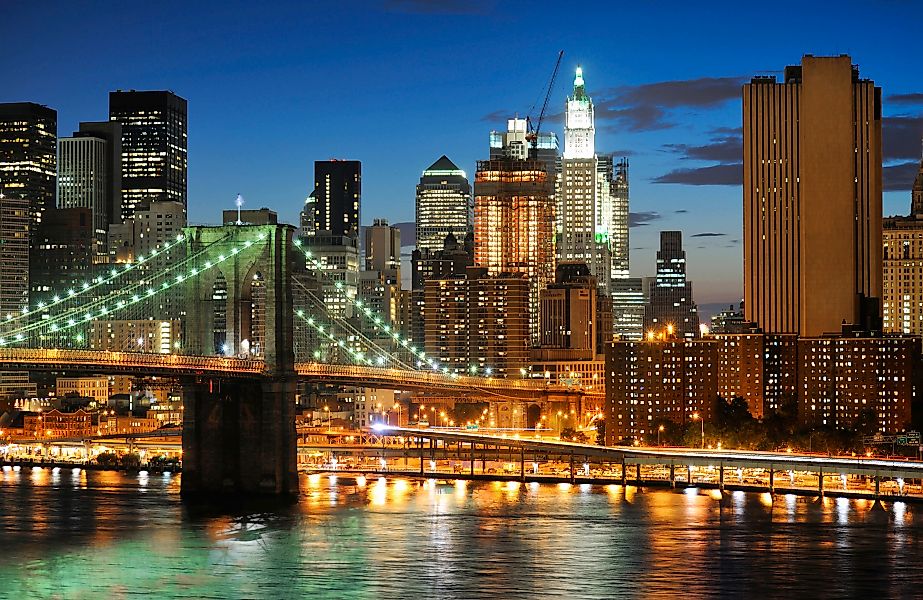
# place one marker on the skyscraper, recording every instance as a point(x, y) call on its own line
point(443, 205)
point(28, 157)
point(902, 280)
point(111, 132)
point(154, 161)
point(588, 205)
point(83, 182)
point(334, 205)
point(383, 250)
point(514, 221)
point(670, 306)
point(812, 199)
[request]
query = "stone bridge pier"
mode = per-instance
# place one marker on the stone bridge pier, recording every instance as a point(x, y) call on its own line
point(239, 434)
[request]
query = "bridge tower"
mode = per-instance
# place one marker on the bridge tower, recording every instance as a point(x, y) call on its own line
point(239, 436)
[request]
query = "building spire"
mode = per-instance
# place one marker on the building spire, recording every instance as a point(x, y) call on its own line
point(579, 86)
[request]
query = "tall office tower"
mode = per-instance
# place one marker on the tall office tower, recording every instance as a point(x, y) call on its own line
point(443, 205)
point(383, 250)
point(85, 181)
point(111, 132)
point(902, 280)
point(514, 222)
point(154, 161)
point(812, 199)
point(28, 157)
point(28, 135)
point(585, 202)
point(619, 229)
point(670, 303)
point(334, 205)
point(568, 311)
point(517, 142)
point(628, 302)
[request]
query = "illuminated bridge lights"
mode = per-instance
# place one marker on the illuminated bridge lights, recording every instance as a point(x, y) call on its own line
point(104, 311)
point(97, 281)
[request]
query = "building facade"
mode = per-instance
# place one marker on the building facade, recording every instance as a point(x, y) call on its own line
point(154, 147)
point(839, 382)
point(443, 205)
point(591, 201)
point(335, 203)
point(478, 323)
point(812, 199)
point(514, 223)
point(84, 182)
point(670, 307)
point(902, 273)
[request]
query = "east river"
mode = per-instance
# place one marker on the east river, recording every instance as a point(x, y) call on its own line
point(82, 534)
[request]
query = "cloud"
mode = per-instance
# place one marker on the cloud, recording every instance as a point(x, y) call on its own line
point(916, 98)
point(497, 116)
point(639, 219)
point(731, 174)
point(707, 234)
point(899, 177)
point(621, 153)
point(900, 137)
point(681, 211)
point(646, 107)
point(439, 7)
point(725, 149)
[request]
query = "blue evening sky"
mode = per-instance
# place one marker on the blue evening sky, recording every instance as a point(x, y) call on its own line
point(396, 83)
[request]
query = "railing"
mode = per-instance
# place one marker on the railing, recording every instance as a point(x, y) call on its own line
point(423, 378)
point(128, 360)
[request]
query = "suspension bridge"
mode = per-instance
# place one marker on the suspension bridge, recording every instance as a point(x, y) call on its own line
point(245, 322)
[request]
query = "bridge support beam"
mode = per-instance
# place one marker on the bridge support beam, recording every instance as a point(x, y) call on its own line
point(877, 486)
point(820, 482)
point(239, 438)
point(672, 475)
point(721, 477)
point(772, 480)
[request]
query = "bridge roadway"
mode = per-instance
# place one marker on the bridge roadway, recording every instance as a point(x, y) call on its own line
point(173, 365)
point(773, 462)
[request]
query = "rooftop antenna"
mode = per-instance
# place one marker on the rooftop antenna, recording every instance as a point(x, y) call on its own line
point(239, 202)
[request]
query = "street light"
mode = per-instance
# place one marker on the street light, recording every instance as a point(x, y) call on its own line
point(696, 417)
point(327, 410)
point(398, 407)
point(659, 431)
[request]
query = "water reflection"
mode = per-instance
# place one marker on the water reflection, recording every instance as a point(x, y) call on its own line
point(93, 534)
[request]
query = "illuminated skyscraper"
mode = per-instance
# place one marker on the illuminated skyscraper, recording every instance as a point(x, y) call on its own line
point(443, 205)
point(902, 282)
point(514, 221)
point(83, 175)
point(334, 205)
point(592, 208)
point(154, 162)
point(27, 191)
point(670, 305)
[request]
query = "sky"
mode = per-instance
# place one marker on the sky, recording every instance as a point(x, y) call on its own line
point(274, 86)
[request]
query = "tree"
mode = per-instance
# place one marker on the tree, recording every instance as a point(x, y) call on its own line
point(600, 432)
point(569, 434)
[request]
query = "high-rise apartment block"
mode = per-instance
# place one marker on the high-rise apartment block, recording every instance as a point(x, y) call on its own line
point(812, 199)
point(451, 261)
point(670, 307)
point(154, 142)
point(443, 205)
point(514, 221)
point(834, 381)
point(628, 305)
point(902, 256)
point(478, 323)
point(334, 205)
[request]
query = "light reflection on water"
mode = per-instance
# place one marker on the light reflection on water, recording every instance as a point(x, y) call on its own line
point(95, 534)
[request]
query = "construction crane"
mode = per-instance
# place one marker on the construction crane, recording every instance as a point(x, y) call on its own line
point(532, 136)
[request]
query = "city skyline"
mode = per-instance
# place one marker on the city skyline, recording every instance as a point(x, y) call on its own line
point(677, 120)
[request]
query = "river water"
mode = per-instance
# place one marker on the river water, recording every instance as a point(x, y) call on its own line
point(79, 534)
